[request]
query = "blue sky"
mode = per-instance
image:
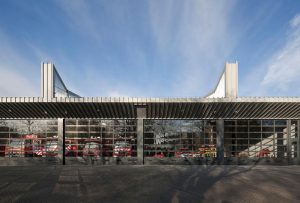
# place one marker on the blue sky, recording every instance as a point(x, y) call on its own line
point(150, 48)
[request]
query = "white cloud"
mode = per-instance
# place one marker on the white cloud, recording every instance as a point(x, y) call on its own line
point(295, 22)
point(196, 33)
point(16, 76)
point(80, 17)
point(39, 53)
point(14, 84)
point(200, 33)
point(116, 93)
point(283, 68)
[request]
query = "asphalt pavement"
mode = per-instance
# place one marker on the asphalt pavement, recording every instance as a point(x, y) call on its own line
point(164, 183)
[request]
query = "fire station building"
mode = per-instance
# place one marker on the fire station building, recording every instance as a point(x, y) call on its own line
point(60, 127)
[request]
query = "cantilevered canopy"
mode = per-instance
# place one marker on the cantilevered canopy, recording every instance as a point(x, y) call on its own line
point(121, 108)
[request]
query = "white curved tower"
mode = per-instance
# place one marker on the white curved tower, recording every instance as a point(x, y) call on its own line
point(52, 85)
point(227, 86)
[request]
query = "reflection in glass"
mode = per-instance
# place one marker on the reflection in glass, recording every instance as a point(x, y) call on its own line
point(265, 138)
point(101, 138)
point(179, 138)
point(26, 138)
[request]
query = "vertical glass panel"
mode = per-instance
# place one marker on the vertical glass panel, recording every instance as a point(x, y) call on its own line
point(255, 128)
point(242, 129)
point(229, 122)
point(229, 129)
point(100, 140)
point(267, 122)
point(255, 122)
point(26, 138)
point(263, 139)
point(268, 129)
point(242, 122)
point(280, 122)
point(180, 138)
point(294, 129)
point(242, 135)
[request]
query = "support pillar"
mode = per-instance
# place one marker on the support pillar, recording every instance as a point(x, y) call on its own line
point(288, 144)
point(298, 142)
point(141, 115)
point(220, 141)
point(61, 140)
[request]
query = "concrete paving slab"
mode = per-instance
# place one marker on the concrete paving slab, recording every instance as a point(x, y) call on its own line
point(150, 184)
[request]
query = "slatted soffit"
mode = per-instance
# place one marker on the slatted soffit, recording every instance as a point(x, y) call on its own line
point(190, 108)
point(222, 103)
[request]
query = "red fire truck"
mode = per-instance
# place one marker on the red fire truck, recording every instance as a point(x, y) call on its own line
point(26, 146)
point(183, 153)
point(51, 148)
point(263, 153)
point(92, 148)
point(122, 148)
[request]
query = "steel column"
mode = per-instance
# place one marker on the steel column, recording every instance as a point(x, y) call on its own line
point(61, 140)
point(220, 140)
point(141, 115)
point(298, 142)
point(288, 140)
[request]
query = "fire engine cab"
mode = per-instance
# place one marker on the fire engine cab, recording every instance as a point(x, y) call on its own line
point(26, 146)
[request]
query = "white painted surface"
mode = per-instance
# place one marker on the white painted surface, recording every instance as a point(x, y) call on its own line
point(227, 86)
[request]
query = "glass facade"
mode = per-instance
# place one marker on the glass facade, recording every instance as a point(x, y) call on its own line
point(243, 139)
point(179, 138)
point(115, 141)
point(259, 138)
point(28, 138)
point(99, 140)
point(60, 89)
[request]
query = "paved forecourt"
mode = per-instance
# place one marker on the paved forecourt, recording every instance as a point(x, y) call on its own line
point(150, 184)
